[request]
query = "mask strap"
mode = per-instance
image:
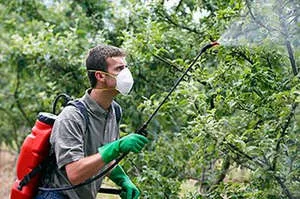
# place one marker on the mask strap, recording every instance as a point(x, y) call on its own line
point(104, 89)
point(102, 72)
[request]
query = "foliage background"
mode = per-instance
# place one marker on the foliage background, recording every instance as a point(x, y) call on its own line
point(237, 110)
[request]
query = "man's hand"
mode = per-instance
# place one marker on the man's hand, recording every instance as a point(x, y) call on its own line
point(129, 190)
point(129, 143)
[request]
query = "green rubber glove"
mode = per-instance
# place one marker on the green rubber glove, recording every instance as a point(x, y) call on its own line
point(129, 190)
point(130, 143)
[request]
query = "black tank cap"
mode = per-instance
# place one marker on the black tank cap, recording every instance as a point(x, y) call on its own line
point(47, 118)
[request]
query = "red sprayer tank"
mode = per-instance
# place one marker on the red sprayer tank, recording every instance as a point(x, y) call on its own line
point(34, 150)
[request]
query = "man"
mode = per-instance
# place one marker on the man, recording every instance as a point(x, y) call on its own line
point(83, 147)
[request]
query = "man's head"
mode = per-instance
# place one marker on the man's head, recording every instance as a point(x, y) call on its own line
point(104, 58)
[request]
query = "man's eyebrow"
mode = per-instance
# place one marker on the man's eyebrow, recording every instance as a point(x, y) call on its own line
point(121, 65)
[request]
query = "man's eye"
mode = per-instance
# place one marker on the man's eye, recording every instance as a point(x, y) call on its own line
point(120, 68)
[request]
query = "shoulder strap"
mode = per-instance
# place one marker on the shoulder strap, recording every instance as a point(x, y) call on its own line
point(31, 174)
point(80, 105)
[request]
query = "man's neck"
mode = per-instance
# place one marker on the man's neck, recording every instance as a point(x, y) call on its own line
point(103, 97)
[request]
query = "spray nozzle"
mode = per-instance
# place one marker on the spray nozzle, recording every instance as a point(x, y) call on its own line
point(208, 46)
point(215, 43)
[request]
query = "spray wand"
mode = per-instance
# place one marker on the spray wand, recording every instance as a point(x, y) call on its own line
point(141, 130)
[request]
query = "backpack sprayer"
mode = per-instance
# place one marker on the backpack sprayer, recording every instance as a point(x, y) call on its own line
point(141, 130)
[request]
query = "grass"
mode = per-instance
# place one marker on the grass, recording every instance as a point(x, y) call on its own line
point(108, 184)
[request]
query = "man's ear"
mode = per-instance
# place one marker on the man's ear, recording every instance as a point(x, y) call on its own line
point(100, 76)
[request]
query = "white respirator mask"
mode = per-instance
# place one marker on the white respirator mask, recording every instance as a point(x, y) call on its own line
point(124, 80)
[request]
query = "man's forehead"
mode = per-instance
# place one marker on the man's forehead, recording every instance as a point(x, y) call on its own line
point(116, 60)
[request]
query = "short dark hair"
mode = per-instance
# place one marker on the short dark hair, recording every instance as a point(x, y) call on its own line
point(96, 59)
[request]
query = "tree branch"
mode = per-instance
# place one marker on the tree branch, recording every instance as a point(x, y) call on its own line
point(175, 66)
point(236, 149)
point(242, 163)
point(243, 55)
point(168, 19)
point(270, 29)
point(285, 189)
point(224, 170)
point(178, 6)
point(282, 134)
point(280, 182)
point(291, 57)
point(248, 110)
point(11, 119)
point(13, 123)
point(16, 96)
point(285, 33)
point(202, 187)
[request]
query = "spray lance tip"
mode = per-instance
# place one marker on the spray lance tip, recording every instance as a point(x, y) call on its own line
point(215, 43)
point(208, 46)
